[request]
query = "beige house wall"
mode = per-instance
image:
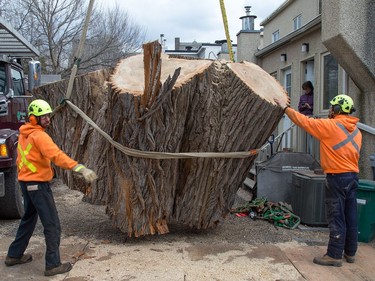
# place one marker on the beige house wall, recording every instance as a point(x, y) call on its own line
point(364, 103)
point(282, 19)
point(346, 30)
point(225, 56)
point(247, 45)
point(295, 62)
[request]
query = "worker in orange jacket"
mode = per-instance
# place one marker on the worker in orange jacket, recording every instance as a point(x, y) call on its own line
point(36, 151)
point(340, 144)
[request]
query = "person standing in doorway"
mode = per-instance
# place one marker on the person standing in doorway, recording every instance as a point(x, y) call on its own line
point(306, 101)
point(340, 144)
point(306, 107)
point(36, 151)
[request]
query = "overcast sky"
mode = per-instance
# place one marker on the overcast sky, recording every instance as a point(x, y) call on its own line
point(190, 20)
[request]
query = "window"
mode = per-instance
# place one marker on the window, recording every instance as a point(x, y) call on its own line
point(3, 80)
point(275, 36)
point(288, 82)
point(17, 83)
point(287, 76)
point(330, 79)
point(297, 22)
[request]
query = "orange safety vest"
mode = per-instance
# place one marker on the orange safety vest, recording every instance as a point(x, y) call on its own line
point(340, 140)
point(36, 151)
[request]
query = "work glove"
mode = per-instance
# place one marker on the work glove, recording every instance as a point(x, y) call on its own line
point(284, 104)
point(88, 174)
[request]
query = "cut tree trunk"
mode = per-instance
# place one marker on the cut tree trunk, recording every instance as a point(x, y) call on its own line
point(165, 104)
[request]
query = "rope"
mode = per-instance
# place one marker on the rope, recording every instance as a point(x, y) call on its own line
point(280, 213)
point(77, 58)
point(161, 155)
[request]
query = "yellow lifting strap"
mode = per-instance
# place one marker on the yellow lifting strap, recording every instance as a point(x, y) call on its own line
point(225, 21)
point(162, 155)
point(24, 161)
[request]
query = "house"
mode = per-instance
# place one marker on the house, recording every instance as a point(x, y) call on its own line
point(217, 50)
point(330, 43)
point(325, 43)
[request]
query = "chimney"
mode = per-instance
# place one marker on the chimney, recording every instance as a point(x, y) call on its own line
point(248, 20)
point(177, 43)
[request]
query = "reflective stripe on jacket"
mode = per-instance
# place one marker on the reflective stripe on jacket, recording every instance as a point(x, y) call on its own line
point(340, 140)
point(24, 160)
point(36, 151)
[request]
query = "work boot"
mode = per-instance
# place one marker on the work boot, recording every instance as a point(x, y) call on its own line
point(349, 259)
point(327, 260)
point(9, 261)
point(62, 268)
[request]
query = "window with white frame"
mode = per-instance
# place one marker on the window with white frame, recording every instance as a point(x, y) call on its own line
point(330, 79)
point(288, 82)
point(275, 36)
point(287, 77)
point(297, 22)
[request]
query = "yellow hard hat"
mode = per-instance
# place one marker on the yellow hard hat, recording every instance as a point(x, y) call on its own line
point(345, 102)
point(39, 108)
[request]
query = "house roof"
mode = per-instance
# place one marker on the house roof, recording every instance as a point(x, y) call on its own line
point(281, 8)
point(13, 43)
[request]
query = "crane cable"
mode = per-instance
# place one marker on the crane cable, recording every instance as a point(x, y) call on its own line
point(77, 58)
point(225, 21)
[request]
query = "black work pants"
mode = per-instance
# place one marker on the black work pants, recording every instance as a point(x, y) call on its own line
point(38, 201)
point(341, 204)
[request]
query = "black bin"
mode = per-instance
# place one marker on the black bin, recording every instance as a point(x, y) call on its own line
point(308, 198)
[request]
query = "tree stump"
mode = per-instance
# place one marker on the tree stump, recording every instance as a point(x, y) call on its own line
point(164, 104)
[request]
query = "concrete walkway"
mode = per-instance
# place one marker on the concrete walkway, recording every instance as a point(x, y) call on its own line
point(240, 249)
point(182, 261)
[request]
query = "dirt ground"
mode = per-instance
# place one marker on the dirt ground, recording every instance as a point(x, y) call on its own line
point(238, 249)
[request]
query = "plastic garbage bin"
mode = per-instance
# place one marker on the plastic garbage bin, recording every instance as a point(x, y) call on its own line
point(366, 210)
point(372, 162)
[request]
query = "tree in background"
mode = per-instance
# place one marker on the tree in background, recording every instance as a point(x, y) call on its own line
point(54, 27)
point(111, 37)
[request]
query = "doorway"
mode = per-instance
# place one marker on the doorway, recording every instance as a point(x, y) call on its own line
point(287, 82)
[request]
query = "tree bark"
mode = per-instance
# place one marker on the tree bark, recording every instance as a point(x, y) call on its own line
point(213, 106)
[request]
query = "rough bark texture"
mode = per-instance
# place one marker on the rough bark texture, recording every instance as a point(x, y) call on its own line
point(214, 106)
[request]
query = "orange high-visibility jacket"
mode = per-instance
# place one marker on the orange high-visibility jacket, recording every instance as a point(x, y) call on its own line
point(340, 140)
point(36, 150)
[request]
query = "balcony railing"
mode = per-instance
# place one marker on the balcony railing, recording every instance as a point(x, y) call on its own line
point(295, 138)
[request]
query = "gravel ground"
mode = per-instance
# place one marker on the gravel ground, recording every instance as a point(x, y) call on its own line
point(238, 249)
point(82, 219)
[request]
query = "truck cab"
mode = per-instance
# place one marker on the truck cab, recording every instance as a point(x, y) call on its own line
point(15, 95)
point(14, 100)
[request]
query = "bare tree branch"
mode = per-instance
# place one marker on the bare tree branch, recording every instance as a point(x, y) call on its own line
point(55, 26)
